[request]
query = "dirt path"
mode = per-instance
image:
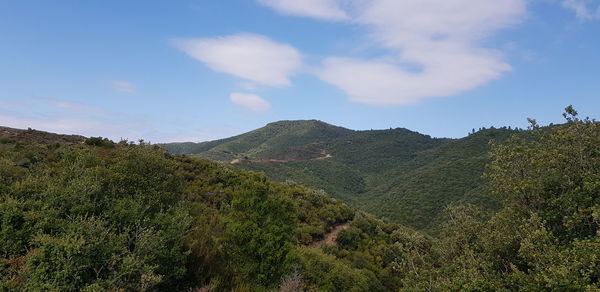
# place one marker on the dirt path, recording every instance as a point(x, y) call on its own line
point(325, 156)
point(330, 238)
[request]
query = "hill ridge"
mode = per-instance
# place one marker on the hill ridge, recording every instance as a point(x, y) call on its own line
point(31, 135)
point(396, 173)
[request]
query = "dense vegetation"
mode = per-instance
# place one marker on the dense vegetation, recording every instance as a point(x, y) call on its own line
point(266, 142)
point(13, 135)
point(109, 216)
point(397, 174)
point(103, 216)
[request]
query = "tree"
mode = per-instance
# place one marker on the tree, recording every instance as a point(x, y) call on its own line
point(260, 227)
point(554, 173)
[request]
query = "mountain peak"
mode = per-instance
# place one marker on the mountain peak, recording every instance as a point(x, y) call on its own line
point(300, 123)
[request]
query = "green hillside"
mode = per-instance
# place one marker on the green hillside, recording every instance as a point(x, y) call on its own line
point(398, 174)
point(268, 142)
point(11, 135)
point(416, 192)
point(105, 216)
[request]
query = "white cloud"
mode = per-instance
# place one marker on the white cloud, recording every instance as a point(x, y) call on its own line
point(63, 125)
point(382, 83)
point(68, 117)
point(68, 105)
point(320, 9)
point(186, 134)
point(71, 117)
point(250, 101)
point(440, 37)
point(401, 23)
point(582, 9)
point(124, 86)
point(248, 56)
point(247, 86)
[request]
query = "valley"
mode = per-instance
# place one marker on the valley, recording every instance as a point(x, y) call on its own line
point(397, 174)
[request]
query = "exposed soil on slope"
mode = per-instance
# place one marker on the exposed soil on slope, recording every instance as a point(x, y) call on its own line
point(324, 155)
point(330, 238)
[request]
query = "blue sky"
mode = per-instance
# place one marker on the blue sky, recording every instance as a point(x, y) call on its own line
point(194, 70)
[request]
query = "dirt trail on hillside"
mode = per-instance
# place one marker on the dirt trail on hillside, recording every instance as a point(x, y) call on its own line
point(330, 238)
point(324, 153)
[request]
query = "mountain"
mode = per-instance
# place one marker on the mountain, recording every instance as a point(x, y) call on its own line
point(105, 216)
point(269, 141)
point(397, 174)
point(126, 217)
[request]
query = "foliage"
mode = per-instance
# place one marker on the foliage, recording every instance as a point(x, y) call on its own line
point(547, 237)
point(99, 141)
point(397, 174)
point(272, 139)
point(260, 228)
point(78, 217)
point(132, 217)
point(10, 136)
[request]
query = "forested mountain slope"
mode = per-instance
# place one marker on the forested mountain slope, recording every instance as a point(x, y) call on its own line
point(104, 216)
point(398, 174)
point(269, 141)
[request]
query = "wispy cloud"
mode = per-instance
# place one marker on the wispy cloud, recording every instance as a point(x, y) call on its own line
point(439, 37)
point(252, 102)
point(123, 86)
point(198, 134)
point(251, 57)
point(382, 83)
point(63, 125)
point(69, 117)
point(69, 105)
point(584, 9)
point(320, 9)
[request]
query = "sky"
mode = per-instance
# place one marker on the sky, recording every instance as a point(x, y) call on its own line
point(197, 70)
